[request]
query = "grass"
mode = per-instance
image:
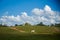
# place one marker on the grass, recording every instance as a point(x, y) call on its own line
point(29, 37)
point(6, 33)
point(39, 29)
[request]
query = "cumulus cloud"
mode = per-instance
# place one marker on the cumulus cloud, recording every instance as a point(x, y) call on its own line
point(47, 8)
point(9, 19)
point(38, 11)
point(45, 15)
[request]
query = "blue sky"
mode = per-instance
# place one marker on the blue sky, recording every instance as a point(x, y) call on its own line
point(17, 7)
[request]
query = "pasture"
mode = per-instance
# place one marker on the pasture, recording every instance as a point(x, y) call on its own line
point(24, 33)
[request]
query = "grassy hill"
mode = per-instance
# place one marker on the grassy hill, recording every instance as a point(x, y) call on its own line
point(39, 29)
point(24, 33)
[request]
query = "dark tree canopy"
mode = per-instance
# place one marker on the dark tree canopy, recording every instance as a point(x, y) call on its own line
point(27, 24)
point(3, 25)
point(52, 25)
point(57, 25)
point(16, 24)
point(40, 24)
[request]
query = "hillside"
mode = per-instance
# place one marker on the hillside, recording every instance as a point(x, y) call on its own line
point(24, 33)
point(39, 29)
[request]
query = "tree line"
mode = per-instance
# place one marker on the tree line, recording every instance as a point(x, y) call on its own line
point(39, 24)
point(3, 25)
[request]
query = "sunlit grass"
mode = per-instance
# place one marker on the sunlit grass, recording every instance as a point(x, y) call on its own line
point(6, 33)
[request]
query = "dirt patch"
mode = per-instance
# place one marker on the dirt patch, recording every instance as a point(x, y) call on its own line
point(13, 28)
point(57, 30)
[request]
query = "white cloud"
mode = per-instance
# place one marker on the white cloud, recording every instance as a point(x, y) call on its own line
point(58, 19)
point(37, 11)
point(44, 19)
point(47, 8)
point(24, 14)
point(52, 21)
point(11, 18)
point(46, 11)
point(46, 15)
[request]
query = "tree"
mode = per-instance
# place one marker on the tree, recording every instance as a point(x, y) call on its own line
point(52, 25)
point(0, 25)
point(27, 24)
point(16, 24)
point(3, 25)
point(40, 24)
point(57, 25)
point(21, 25)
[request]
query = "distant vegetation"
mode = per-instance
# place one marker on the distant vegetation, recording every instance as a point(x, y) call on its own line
point(39, 24)
point(23, 32)
point(57, 25)
point(3, 25)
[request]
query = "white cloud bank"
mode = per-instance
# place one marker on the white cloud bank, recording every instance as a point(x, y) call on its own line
point(46, 15)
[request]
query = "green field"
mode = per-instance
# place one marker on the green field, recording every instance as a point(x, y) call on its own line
point(41, 33)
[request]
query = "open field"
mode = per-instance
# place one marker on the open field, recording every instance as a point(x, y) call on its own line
point(29, 19)
point(41, 33)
